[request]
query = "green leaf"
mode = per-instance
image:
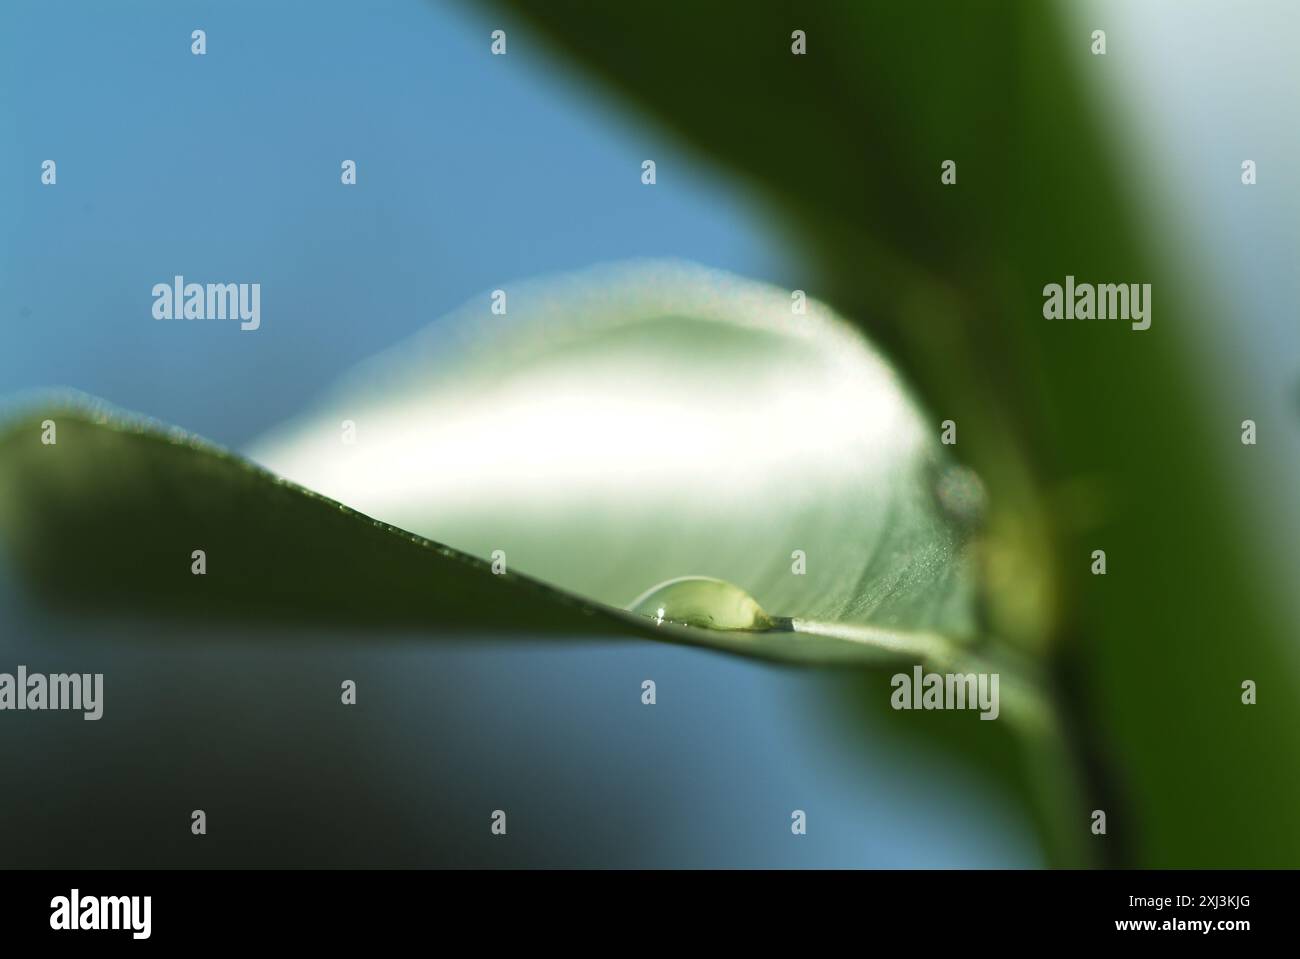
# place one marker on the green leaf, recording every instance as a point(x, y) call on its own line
point(616, 429)
point(624, 426)
point(111, 512)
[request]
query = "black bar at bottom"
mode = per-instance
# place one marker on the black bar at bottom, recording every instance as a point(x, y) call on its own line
point(372, 906)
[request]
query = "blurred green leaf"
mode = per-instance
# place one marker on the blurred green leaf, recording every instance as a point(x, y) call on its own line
point(1088, 435)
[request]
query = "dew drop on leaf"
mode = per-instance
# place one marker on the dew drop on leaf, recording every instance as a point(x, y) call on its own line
point(702, 601)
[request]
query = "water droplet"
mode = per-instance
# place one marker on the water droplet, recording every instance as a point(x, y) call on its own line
point(702, 601)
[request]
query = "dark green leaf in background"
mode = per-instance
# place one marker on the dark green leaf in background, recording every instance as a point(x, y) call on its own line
point(1089, 435)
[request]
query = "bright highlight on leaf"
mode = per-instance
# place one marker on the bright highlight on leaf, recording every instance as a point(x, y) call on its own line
point(634, 424)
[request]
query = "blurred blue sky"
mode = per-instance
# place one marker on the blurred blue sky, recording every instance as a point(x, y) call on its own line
point(473, 170)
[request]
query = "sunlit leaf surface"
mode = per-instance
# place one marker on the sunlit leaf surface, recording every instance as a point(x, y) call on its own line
point(629, 425)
